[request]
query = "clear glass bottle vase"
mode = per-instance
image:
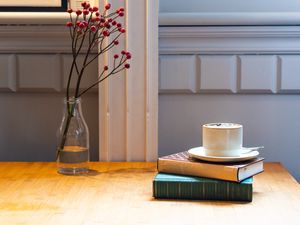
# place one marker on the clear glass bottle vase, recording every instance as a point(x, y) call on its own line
point(72, 154)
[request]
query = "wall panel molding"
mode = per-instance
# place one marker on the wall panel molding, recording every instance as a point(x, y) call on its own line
point(258, 74)
point(35, 18)
point(40, 73)
point(289, 74)
point(231, 59)
point(228, 18)
point(218, 74)
point(232, 74)
point(230, 40)
point(35, 39)
point(8, 73)
point(36, 57)
point(178, 73)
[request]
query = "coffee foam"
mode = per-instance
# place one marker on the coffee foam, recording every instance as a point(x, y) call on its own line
point(223, 125)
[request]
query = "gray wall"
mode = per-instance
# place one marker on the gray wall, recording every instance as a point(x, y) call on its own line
point(34, 65)
point(269, 120)
point(229, 6)
point(29, 122)
point(246, 74)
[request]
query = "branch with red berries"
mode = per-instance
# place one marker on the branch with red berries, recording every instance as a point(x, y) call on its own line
point(94, 28)
point(119, 65)
point(89, 25)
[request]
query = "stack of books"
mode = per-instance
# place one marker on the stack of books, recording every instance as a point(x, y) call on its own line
point(183, 177)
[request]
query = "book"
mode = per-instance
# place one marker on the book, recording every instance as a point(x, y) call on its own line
point(170, 186)
point(181, 163)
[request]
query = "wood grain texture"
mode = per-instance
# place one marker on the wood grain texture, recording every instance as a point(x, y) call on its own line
point(121, 193)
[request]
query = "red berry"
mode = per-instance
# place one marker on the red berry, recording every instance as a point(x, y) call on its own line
point(106, 33)
point(91, 9)
point(123, 52)
point(119, 25)
point(127, 65)
point(113, 23)
point(128, 56)
point(81, 25)
point(107, 7)
point(70, 10)
point(93, 28)
point(121, 9)
point(86, 12)
point(105, 68)
point(116, 42)
point(78, 12)
point(83, 4)
point(97, 19)
point(69, 24)
point(95, 9)
point(77, 23)
point(97, 14)
point(87, 6)
point(121, 14)
point(116, 56)
point(109, 20)
point(102, 20)
point(122, 30)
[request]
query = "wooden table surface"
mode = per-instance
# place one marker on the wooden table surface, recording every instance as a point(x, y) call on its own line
point(121, 193)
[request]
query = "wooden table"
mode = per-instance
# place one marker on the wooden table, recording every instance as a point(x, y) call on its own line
point(121, 193)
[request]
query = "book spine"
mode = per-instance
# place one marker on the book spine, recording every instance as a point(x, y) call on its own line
point(198, 169)
point(227, 191)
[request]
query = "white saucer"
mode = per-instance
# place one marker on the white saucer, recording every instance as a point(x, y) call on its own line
point(199, 153)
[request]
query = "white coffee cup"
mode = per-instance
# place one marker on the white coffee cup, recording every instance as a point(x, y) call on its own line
point(222, 139)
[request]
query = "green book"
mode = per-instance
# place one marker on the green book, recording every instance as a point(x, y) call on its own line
point(170, 186)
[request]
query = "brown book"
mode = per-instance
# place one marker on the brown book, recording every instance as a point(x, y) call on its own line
point(181, 163)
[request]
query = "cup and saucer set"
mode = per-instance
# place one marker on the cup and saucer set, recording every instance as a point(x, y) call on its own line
point(223, 142)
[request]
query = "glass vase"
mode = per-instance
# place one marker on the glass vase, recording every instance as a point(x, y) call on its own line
point(72, 154)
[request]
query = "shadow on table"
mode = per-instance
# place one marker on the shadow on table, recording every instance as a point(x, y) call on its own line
point(208, 202)
point(90, 173)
